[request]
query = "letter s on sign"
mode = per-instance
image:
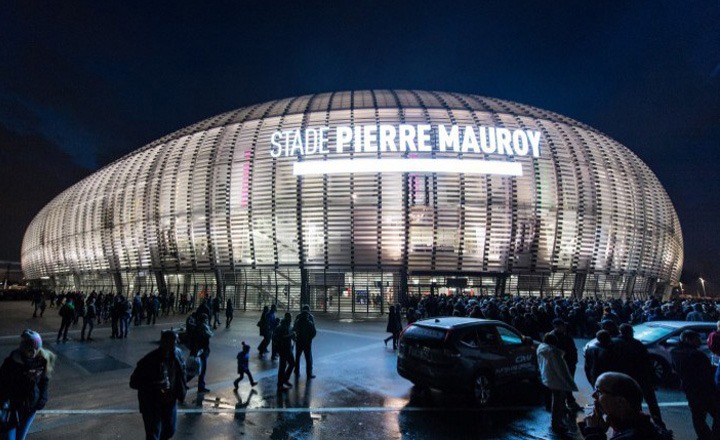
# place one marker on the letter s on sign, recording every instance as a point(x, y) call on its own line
point(276, 147)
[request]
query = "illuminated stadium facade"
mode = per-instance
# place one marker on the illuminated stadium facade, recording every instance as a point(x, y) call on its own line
point(351, 200)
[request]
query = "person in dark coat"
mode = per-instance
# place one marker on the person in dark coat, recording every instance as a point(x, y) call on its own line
point(305, 331)
point(618, 405)
point(216, 312)
point(284, 338)
point(159, 378)
point(599, 357)
point(24, 377)
point(567, 345)
point(228, 313)
point(696, 374)
point(262, 329)
point(268, 326)
point(201, 338)
point(67, 313)
point(632, 358)
point(394, 325)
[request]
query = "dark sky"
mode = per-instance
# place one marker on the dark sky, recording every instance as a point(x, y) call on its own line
point(85, 82)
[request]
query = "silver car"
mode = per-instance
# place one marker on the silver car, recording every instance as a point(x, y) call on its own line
point(660, 336)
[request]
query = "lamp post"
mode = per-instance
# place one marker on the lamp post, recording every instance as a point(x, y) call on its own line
point(681, 289)
point(702, 284)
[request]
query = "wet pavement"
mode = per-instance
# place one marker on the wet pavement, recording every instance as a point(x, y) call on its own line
point(357, 393)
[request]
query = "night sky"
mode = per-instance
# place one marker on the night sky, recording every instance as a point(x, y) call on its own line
point(85, 82)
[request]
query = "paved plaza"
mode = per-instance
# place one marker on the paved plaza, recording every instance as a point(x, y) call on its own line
point(357, 393)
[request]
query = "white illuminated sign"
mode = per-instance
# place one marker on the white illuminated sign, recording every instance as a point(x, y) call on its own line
point(465, 139)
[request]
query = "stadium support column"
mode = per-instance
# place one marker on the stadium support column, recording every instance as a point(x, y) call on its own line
point(160, 281)
point(304, 287)
point(118, 282)
point(403, 287)
point(579, 285)
point(220, 286)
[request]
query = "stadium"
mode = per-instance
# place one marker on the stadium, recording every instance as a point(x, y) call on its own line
point(350, 201)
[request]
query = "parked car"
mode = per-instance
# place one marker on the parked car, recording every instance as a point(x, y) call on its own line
point(660, 336)
point(465, 354)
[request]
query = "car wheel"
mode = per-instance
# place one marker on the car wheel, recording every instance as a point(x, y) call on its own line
point(482, 389)
point(660, 368)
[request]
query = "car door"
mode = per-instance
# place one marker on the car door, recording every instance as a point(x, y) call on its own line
point(521, 359)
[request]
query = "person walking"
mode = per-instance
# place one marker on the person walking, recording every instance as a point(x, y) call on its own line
point(631, 357)
point(243, 366)
point(696, 375)
point(262, 329)
point(126, 317)
point(567, 345)
point(24, 378)
point(202, 335)
point(555, 375)
point(394, 325)
point(153, 308)
point(305, 332)
point(228, 313)
point(89, 319)
point(284, 337)
point(159, 379)
point(216, 312)
point(67, 313)
point(269, 324)
point(617, 405)
point(137, 309)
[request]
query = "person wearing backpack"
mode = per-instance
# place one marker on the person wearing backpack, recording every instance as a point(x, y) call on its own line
point(67, 313)
point(159, 379)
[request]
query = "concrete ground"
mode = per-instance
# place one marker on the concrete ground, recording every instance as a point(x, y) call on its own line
point(357, 392)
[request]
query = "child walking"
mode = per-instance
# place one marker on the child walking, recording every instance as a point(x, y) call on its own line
point(243, 360)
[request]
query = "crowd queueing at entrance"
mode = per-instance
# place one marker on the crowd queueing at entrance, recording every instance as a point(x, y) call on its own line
point(618, 366)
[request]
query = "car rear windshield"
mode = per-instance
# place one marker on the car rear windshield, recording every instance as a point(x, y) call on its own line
point(427, 335)
point(650, 333)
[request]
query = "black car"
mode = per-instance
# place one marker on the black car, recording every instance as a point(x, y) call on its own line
point(462, 354)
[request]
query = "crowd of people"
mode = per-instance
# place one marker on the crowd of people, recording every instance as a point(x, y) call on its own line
point(617, 366)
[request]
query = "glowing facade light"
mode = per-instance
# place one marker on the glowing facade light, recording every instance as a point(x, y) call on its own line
point(357, 166)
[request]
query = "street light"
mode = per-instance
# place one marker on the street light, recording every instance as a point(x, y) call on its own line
point(681, 289)
point(702, 284)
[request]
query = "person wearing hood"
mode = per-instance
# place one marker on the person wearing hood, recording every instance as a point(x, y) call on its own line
point(555, 375)
point(24, 377)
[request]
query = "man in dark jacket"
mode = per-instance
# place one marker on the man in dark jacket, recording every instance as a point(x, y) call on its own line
point(599, 358)
point(632, 358)
point(305, 332)
point(284, 338)
point(618, 400)
point(67, 313)
point(201, 338)
point(160, 380)
point(696, 374)
point(567, 344)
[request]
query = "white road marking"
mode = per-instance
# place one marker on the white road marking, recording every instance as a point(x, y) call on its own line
point(96, 329)
point(333, 410)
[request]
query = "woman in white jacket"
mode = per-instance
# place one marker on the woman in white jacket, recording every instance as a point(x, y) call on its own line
point(556, 376)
